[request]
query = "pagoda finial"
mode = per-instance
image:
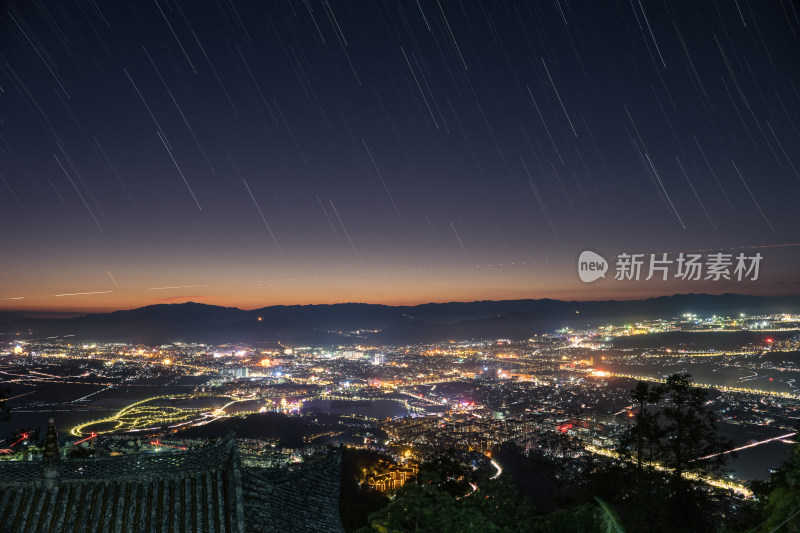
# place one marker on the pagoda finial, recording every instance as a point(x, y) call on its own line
point(51, 442)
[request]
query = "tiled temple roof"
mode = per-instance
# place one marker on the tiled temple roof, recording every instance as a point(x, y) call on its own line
point(303, 499)
point(201, 490)
point(195, 502)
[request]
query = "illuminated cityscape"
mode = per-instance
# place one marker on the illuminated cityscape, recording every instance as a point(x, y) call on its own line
point(409, 404)
point(474, 266)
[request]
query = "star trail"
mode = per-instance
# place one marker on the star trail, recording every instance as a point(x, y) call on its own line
point(283, 152)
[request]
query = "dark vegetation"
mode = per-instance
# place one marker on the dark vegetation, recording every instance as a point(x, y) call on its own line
point(357, 502)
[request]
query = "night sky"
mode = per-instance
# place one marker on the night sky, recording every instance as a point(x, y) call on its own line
point(283, 152)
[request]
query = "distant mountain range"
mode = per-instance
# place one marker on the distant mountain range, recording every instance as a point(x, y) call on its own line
point(318, 325)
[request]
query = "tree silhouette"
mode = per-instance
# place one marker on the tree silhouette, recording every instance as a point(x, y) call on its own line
point(5, 410)
point(646, 427)
point(781, 496)
point(674, 434)
point(690, 442)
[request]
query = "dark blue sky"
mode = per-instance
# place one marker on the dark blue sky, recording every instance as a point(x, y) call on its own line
point(257, 153)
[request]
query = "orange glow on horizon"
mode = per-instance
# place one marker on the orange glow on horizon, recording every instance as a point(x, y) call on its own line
point(370, 284)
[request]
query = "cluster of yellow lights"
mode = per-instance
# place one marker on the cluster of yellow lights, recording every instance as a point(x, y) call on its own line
point(140, 415)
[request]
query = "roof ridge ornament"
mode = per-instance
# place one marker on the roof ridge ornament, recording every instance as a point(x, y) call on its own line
point(51, 442)
point(50, 455)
